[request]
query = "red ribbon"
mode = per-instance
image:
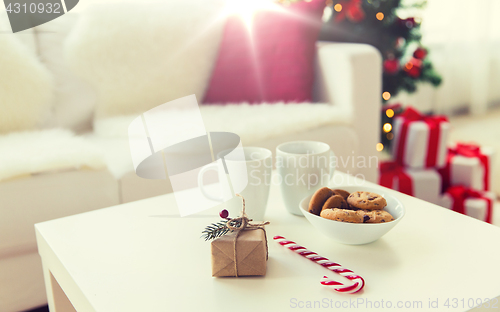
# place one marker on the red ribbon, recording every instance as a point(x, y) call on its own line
point(460, 194)
point(466, 150)
point(433, 122)
point(390, 170)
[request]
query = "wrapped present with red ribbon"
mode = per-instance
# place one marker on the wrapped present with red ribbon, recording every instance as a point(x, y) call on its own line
point(419, 140)
point(476, 204)
point(424, 184)
point(469, 165)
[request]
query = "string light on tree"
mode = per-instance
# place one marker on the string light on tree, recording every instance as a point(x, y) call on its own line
point(386, 96)
point(379, 147)
point(388, 113)
point(338, 7)
point(380, 16)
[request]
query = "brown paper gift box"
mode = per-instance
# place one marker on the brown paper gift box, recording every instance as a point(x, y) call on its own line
point(251, 254)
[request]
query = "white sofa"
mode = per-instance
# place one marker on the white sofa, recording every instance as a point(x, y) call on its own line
point(348, 78)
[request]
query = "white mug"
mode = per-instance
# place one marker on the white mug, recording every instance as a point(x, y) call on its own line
point(257, 166)
point(303, 168)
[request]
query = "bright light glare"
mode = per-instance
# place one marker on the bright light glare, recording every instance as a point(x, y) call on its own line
point(246, 9)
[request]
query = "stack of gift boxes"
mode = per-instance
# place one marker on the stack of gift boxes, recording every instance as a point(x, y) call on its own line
point(457, 177)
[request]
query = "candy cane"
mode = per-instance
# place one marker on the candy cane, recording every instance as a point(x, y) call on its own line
point(359, 282)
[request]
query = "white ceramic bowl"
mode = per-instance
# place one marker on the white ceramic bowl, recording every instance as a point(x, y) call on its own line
point(356, 233)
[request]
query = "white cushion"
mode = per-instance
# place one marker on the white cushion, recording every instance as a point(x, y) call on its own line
point(139, 56)
point(26, 86)
point(74, 99)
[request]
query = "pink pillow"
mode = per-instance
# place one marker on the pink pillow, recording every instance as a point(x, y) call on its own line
point(272, 61)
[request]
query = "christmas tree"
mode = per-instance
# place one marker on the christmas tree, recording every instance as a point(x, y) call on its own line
point(376, 22)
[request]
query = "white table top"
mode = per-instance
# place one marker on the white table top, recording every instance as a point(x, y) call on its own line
point(142, 256)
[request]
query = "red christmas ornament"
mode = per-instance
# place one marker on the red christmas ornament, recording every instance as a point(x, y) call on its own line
point(350, 9)
point(408, 23)
point(420, 53)
point(415, 72)
point(356, 14)
point(224, 214)
point(391, 66)
point(413, 68)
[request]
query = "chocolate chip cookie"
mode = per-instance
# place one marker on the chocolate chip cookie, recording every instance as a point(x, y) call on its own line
point(366, 200)
point(335, 201)
point(318, 200)
point(342, 193)
point(342, 215)
point(377, 216)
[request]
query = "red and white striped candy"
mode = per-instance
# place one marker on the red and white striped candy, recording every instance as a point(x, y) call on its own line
point(358, 281)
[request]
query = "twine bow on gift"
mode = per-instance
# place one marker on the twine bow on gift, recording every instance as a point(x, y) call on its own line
point(460, 193)
point(242, 223)
point(433, 122)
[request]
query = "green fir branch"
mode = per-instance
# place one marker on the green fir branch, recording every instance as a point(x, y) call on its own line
point(219, 229)
point(215, 230)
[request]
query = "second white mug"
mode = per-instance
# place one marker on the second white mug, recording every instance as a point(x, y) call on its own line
point(303, 168)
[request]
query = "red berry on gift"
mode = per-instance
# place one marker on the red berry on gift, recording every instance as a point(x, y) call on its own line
point(391, 66)
point(420, 53)
point(224, 214)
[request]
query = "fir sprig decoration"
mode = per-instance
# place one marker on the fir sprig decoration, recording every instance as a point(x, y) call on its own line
point(218, 229)
point(215, 230)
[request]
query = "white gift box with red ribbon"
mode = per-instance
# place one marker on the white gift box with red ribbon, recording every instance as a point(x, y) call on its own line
point(420, 141)
point(424, 184)
point(468, 165)
point(473, 203)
